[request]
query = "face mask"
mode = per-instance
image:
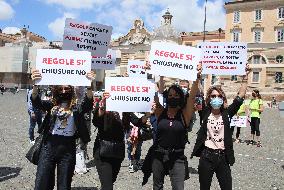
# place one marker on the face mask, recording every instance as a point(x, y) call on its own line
point(174, 102)
point(216, 103)
point(185, 90)
point(64, 97)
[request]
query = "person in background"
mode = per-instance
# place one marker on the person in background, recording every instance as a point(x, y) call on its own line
point(35, 116)
point(2, 89)
point(255, 106)
point(241, 113)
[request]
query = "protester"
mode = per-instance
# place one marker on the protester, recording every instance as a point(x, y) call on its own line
point(65, 125)
point(241, 112)
point(134, 142)
point(167, 153)
point(2, 89)
point(255, 107)
point(109, 146)
point(214, 143)
point(35, 115)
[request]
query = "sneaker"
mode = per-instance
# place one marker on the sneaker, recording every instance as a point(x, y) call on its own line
point(258, 144)
point(131, 168)
point(32, 142)
point(237, 141)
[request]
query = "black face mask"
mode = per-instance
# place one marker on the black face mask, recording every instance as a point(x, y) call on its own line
point(174, 102)
point(62, 97)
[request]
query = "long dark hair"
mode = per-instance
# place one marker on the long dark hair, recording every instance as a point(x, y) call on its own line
point(257, 93)
point(179, 91)
point(55, 95)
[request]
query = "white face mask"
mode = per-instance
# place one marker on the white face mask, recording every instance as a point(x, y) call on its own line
point(185, 90)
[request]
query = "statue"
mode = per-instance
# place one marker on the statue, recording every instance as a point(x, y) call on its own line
point(137, 37)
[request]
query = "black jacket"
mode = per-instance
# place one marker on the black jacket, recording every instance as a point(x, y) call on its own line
point(227, 114)
point(78, 113)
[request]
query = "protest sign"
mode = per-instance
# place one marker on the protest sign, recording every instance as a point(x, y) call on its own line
point(135, 95)
point(171, 60)
point(223, 58)
point(241, 121)
point(82, 36)
point(63, 67)
point(106, 63)
point(136, 68)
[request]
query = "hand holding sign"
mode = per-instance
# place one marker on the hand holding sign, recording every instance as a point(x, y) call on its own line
point(90, 75)
point(199, 70)
point(36, 75)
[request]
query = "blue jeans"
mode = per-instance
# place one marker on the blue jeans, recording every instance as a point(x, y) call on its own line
point(33, 121)
point(138, 149)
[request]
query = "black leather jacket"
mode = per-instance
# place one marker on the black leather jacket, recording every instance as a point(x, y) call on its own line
point(227, 114)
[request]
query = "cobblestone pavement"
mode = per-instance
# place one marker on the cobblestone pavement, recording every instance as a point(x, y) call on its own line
point(255, 168)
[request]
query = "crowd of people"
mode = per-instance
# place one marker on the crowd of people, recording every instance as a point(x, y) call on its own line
point(61, 117)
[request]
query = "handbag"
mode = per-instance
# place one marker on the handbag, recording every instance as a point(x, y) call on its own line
point(34, 152)
point(112, 149)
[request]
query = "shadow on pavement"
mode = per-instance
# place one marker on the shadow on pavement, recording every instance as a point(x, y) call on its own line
point(282, 167)
point(192, 170)
point(84, 188)
point(8, 173)
point(91, 164)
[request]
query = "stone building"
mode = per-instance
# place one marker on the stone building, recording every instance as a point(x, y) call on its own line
point(15, 52)
point(260, 23)
point(136, 44)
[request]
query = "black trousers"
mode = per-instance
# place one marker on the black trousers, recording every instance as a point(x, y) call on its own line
point(210, 163)
point(254, 124)
point(60, 152)
point(108, 169)
point(238, 131)
point(175, 169)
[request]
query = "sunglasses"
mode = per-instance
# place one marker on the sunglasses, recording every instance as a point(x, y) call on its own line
point(64, 88)
point(215, 96)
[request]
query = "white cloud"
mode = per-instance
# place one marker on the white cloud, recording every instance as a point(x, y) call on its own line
point(11, 30)
point(6, 11)
point(57, 26)
point(188, 15)
point(77, 4)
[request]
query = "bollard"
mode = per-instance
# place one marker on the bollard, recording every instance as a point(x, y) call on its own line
point(281, 109)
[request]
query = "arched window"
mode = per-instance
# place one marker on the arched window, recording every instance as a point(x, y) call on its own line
point(257, 59)
point(279, 59)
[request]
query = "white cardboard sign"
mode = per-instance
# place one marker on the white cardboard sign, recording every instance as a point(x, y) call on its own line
point(82, 36)
point(223, 58)
point(171, 60)
point(106, 63)
point(135, 95)
point(63, 67)
point(241, 121)
point(136, 68)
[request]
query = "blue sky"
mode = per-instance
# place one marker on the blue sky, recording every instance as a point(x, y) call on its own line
point(46, 17)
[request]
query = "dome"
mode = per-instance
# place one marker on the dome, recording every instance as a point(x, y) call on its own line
point(11, 30)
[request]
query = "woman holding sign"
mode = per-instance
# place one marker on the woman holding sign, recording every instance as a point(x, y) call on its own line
point(109, 146)
point(214, 144)
point(167, 153)
point(63, 124)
